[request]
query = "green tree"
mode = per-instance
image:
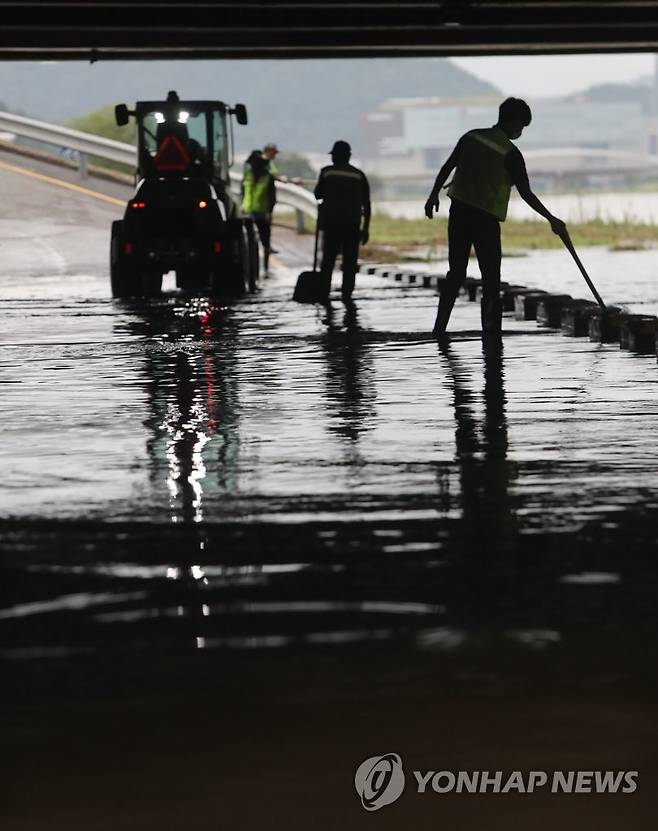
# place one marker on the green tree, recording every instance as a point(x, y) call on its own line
point(101, 122)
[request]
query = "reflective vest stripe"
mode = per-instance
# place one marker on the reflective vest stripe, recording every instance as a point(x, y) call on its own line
point(347, 173)
point(492, 144)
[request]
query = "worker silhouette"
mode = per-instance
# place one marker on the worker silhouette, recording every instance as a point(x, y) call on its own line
point(258, 199)
point(486, 165)
point(343, 217)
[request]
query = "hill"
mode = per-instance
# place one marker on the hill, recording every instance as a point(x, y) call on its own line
point(612, 93)
point(302, 105)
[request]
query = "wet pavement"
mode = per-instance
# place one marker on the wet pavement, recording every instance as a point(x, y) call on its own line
point(246, 546)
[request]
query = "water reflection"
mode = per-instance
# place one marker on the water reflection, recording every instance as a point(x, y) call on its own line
point(193, 401)
point(485, 472)
point(194, 437)
point(350, 388)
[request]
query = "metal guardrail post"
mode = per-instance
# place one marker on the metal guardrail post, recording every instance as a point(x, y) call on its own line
point(83, 160)
point(300, 221)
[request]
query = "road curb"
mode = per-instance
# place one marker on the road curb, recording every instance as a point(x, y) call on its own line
point(574, 317)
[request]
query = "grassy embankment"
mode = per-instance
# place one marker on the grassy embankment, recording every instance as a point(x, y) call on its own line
point(398, 239)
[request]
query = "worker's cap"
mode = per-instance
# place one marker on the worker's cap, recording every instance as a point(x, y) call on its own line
point(271, 146)
point(341, 148)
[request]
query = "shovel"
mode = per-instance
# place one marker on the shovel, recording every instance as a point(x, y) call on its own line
point(566, 239)
point(310, 287)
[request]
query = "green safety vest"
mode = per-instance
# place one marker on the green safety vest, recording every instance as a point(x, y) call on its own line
point(481, 178)
point(256, 197)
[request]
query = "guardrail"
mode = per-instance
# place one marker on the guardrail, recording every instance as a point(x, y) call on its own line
point(87, 144)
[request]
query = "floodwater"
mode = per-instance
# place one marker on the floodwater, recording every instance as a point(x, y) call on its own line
point(618, 206)
point(181, 411)
point(246, 546)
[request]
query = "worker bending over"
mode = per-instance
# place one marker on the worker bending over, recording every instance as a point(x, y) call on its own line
point(486, 165)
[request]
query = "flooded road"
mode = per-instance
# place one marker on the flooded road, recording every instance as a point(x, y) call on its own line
point(246, 546)
point(179, 410)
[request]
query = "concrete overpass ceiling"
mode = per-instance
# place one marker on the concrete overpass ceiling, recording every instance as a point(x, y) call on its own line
point(84, 29)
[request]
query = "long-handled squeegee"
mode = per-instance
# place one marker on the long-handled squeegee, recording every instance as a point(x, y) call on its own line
point(566, 239)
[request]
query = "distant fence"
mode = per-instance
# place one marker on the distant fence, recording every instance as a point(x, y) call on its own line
point(87, 144)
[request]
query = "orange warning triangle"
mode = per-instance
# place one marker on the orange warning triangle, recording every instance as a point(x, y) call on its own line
point(172, 156)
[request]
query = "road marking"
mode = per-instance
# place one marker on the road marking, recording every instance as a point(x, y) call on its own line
point(14, 168)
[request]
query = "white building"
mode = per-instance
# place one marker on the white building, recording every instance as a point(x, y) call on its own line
point(408, 139)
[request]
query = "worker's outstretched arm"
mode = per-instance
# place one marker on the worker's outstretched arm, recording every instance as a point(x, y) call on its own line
point(432, 203)
point(557, 225)
point(517, 170)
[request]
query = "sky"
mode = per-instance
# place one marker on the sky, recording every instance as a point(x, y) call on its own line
point(547, 75)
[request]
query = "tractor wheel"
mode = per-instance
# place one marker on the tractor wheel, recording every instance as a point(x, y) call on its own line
point(152, 284)
point(233, 278)
point(121, 280)
point(254, 256)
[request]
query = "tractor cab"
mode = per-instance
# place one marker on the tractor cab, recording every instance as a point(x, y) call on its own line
point(184, 139)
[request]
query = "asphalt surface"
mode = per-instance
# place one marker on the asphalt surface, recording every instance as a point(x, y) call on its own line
point(244, 547)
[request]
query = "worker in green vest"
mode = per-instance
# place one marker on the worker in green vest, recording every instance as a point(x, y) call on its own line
point(486, 165)
point(270, 152)
point(258, 198)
